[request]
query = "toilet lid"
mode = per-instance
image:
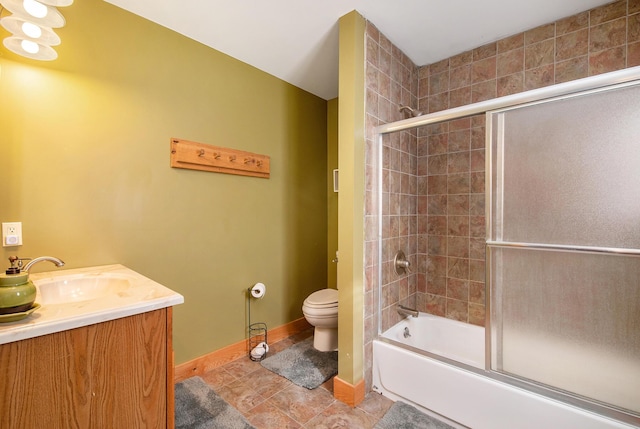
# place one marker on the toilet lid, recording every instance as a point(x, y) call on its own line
point(323, 297)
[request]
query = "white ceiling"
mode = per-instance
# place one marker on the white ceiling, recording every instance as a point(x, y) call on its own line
point(297, 40)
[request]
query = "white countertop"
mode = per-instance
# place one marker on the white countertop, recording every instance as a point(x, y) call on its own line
point(141, 296)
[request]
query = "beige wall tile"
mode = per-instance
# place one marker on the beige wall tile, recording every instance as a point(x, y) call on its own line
point(483, 91)
point(572, 23)
point(633, 55)
point(439, 83)
point(512, 42)
point(539, 54)
point(485, 51)
point(510, 62)
point(575, 68)
point(633, 28)
point(439, 67)
point(608, 12)
point(608, 35)
point(539, 34)
point(572, 45)
point(460, 76)
point(476, 314)
point(539, 77)
point(510, 84)
point(461, 59)
point(460, 97)
point(607, 61)
point(483, 70)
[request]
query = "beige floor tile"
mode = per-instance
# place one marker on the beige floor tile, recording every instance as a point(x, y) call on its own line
point(268, 416)
point(279, 346)
point(265, 382)
point(240, 396)
point(218, 378)
point(302, 404)
point(270, 401)
point(239, 368)
point(339, 415)
point(328, 385)
point(375, 404)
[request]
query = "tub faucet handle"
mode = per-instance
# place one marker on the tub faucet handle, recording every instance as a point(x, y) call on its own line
point(401, 263)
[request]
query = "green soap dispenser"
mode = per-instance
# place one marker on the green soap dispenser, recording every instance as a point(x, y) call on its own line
point(17, 292)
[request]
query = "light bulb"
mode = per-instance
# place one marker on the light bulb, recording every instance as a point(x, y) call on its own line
point(35, 8)
point(30, 47)
point(31, 30)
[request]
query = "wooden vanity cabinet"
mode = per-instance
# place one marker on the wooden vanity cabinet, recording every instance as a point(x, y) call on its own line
point(111, 375)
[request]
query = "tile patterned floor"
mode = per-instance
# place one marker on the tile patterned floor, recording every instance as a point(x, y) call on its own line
point(269, 401)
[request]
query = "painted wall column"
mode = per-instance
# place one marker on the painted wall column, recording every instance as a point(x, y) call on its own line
point(349, 385)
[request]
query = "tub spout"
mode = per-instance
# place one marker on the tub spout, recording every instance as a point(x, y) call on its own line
point(406, 311)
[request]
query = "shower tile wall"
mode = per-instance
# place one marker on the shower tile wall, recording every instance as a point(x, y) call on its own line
point(601, 40)
point(449, 158)
point(391, 81)
point(451, 222)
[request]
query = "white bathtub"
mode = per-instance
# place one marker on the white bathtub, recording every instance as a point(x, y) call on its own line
point(463, 394)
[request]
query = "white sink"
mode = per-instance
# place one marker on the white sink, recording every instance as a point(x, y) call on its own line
point(78, 297)
point(84, 287)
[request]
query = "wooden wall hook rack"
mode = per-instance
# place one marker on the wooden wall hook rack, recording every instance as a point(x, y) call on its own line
point(204, 157)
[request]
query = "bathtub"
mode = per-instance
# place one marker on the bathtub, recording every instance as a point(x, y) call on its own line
point(439, 368)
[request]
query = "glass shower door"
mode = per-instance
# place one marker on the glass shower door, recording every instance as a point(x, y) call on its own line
point(564, 245)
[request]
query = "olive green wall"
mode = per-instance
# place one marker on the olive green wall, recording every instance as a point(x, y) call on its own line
point(332, 197)
point(84, 165)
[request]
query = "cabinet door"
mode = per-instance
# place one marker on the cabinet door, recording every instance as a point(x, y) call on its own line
point(108, 375)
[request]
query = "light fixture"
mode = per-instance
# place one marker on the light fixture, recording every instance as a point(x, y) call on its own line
point(36, 12)
point(31, 30)
point(32, 26)
point(30, 49)
point(57, 3)
point(19, 27)
point(35, 9)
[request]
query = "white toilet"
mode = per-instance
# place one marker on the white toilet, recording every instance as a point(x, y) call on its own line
point(321, 311)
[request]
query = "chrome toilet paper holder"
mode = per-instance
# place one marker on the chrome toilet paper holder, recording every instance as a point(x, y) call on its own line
point(258, 344)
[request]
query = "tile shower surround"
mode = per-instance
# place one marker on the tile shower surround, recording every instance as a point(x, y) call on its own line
point(437, 171)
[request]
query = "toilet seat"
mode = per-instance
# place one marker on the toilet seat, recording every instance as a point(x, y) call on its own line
point(322, 299)
point(320, 313)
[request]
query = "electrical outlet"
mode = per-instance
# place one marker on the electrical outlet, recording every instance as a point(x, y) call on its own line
point(11, 234)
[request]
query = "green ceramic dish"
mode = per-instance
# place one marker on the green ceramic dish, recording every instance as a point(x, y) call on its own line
point(14, 317)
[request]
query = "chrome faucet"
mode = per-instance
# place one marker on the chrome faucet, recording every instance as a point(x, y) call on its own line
point(31, 263)
point(406, 311)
